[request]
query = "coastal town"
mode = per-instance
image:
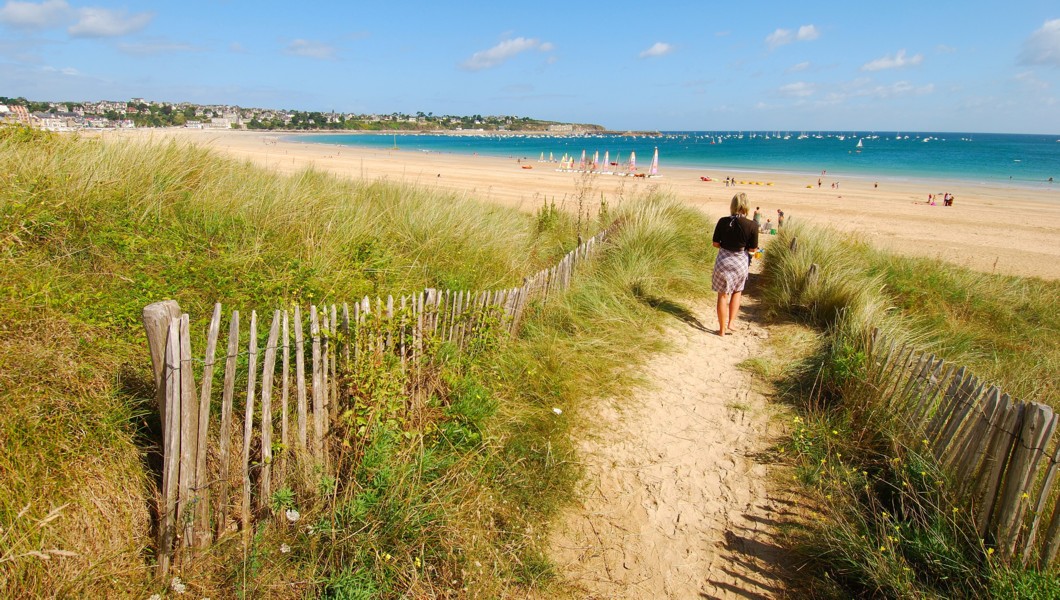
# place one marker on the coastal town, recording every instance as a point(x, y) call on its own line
point(140, 112)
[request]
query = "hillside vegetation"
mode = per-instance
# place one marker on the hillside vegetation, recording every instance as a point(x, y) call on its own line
point(91, 232)
point(890, 521)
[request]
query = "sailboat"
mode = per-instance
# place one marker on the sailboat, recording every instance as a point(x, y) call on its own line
point(632, 162)
point(653, 170)
point(859, 147)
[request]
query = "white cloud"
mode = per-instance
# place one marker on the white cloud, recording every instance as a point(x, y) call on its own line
point(782, 37)
point(88, 22)
point(897, 61)
point(779, 37)
point(310, 49)
point(863, 87)
point(799, 89)
point(30, 15)
point(69, 71)
point(799, 67)
point(103, 22)
point(1028, 79)
point(807, 33)
point(657, 49)
point(1043, 46)
point(157, 46)
point(503, 51)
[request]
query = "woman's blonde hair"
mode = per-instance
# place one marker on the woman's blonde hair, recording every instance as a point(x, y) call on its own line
point(739, 204)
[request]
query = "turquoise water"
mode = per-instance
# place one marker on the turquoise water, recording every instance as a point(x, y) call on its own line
point(1024, 160)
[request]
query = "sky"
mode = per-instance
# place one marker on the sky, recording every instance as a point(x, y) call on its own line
point(666, 65)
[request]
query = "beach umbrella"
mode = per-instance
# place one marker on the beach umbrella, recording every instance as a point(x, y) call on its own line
point(632, 161)
point(654, 169)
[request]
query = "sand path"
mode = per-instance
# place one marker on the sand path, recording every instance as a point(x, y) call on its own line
point(675, 503)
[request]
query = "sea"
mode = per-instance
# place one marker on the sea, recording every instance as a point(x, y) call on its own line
point(970, 158)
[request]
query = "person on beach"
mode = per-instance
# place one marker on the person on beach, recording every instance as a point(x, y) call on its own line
point(757, 218)
point(780, 218)
point(768, 226)
point(736, 238)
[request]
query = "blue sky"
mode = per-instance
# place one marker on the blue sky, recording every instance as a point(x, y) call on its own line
point(923, 66)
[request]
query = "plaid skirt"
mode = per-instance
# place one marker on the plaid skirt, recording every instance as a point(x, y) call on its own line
point(730, 271)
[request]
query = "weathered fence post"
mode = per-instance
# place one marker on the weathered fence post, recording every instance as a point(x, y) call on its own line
point(156, 318)
point(267, 372)
point(226, 423)
point(202, 510)
point(248, 423)
point(171, 447)
point(189, 435)
point(318, 387)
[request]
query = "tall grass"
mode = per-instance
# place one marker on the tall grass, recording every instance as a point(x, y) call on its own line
point(454, 503)
point(890, 522)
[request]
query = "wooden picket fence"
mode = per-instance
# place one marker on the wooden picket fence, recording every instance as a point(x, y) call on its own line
point(999, 451)
point(198, 453)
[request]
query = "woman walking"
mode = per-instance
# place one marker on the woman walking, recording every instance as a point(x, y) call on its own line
point(735, 237)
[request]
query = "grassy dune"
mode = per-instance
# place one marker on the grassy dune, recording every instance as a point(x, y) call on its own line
point(91, 232)
point(889, 523)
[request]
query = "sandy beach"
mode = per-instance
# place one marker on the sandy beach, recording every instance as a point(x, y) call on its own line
point(990, 228)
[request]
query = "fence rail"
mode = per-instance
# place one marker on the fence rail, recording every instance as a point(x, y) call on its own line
point(198, 457)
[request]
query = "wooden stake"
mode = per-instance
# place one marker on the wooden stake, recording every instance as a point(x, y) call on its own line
point(189, 436)
point(156, 319)
point(248, 423)
point(325, 356)
point(202, 509)
point(281, 464)
point(318, 387)
point(1038, 426)
point(170, 383)
point(299, 374)
point(225, 434)
point(267, 371)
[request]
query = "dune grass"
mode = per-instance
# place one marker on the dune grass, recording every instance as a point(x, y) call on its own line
point(456, 504)
point(889, 523)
